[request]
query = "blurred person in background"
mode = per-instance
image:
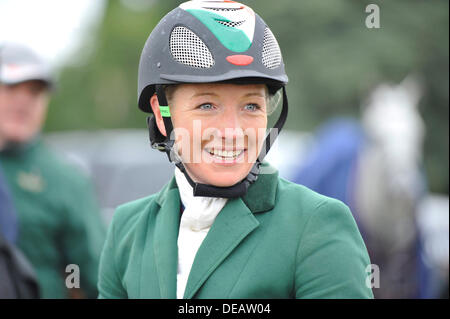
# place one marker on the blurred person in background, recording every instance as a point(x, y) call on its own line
point(17, 278)
point(58, 219)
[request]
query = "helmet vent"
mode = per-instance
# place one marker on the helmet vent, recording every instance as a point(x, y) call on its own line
point(271, 55)
point(187, 48)
point(231, 24)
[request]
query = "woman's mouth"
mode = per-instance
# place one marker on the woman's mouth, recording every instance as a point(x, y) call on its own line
point(224, 156)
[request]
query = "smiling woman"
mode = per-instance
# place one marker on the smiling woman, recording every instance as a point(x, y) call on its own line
point(225, 226)
point(225, 125)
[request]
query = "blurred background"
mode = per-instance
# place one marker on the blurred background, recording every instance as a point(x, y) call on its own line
point(368, 119)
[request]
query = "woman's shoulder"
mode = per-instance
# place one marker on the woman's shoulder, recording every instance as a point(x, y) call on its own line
point(305, 198)
point(130, 215)
point(301, 204)
point(143, 205)
point(327, 235)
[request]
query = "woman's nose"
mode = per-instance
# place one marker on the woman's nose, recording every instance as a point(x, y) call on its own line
point(229, 124)
point(225, 130)
point(230, 118)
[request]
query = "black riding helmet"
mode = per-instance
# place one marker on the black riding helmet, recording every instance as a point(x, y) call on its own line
point(205, 42)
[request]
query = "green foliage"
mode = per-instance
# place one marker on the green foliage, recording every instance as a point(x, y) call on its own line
point(332, 60)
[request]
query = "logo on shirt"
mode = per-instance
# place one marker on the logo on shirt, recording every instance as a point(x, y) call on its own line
point(31, 182)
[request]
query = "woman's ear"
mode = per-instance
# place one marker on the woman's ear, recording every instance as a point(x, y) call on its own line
point(159, 120)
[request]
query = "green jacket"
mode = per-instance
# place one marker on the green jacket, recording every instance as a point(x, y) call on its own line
point(59, 221)
point(281, 240)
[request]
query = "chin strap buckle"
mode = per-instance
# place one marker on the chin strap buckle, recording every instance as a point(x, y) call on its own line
point(167, 147)
point(159, 146)
point(254, 172)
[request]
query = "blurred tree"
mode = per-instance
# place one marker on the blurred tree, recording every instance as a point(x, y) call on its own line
point(333, 61)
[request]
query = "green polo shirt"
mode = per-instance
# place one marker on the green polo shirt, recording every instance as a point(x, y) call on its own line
point(59, 221)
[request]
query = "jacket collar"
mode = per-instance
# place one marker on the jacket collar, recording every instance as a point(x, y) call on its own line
point(266, 184)
point(166, 190)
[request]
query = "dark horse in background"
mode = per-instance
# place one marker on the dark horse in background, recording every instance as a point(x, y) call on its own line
point(375, 167)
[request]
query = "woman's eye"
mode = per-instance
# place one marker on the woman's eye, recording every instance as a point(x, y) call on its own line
point(206, 106)
point(252, 107)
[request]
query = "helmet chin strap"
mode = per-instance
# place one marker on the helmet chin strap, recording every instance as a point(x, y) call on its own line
point(166, 144)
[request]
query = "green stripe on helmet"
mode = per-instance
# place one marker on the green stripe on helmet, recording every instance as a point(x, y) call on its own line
point(233, 39)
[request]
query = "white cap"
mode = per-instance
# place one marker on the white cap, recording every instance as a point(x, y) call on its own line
point(19, 63)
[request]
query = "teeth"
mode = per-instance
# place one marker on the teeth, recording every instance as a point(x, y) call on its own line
point(228, 154)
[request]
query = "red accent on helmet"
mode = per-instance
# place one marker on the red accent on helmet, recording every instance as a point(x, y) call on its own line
point(240, 59)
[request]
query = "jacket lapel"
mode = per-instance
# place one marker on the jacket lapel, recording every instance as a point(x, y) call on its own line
point(164, 242)
point(231, 226)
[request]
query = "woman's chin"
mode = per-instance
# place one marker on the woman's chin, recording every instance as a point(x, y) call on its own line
point(221, 180)
point(224, 183)
point(216, 177)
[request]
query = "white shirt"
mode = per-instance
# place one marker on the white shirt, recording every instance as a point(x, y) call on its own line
point(198, 216)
